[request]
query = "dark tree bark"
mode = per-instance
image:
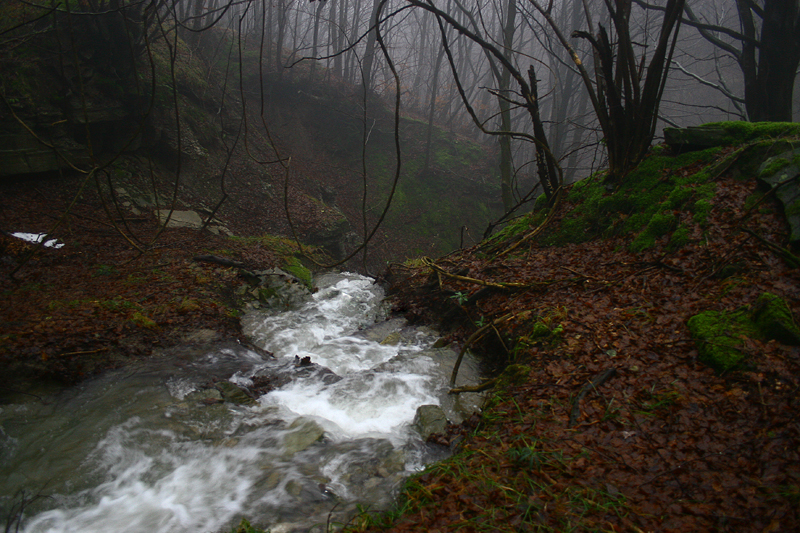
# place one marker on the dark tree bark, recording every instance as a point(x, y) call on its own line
point(625, 95)
point(770, 63)
point(767, 49)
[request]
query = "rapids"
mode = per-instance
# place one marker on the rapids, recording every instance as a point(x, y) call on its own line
point(154, 448)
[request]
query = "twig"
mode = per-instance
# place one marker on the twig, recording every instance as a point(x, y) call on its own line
point(498, 285)
point(472, 338)
point(784, 254)
point(601, 378)
point(83, 352)
point(486, 385)
point(218, 260)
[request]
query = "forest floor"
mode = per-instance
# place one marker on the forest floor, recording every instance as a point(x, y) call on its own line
point(659, 442)
point(608, 421)
point(97, 302)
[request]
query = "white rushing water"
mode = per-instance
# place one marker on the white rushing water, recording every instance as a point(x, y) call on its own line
point(154, 449)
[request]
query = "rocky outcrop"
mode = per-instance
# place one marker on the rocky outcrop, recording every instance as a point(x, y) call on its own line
point(782, 173)
point(274, 288)
point(331, 230)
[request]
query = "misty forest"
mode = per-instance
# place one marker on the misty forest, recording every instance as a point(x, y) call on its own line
point(399, 265)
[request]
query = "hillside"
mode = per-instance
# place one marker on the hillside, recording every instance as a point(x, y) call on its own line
point(640, 342)
point(619, 410)
point(98, 151)
point(202, 124)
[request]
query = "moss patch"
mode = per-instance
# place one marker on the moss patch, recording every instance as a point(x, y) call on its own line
point(720, 338)
point(644, 203)
point(737, 132)
point(774, 320)
point(720, 335)
point(293, 266)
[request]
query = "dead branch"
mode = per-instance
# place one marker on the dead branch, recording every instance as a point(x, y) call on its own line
point(601, 378)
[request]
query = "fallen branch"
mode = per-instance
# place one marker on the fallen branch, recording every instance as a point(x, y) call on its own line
point(486, 385)
point(474, 337)
point(498, 285)
point(601, 378)
point(83, 352)
point(783, 253)
point(218, 260)
point(537, 230)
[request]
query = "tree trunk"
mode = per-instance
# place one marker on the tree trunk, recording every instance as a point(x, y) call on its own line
point(281, 16)
point(432, 108)
point(317, 16)
point(369, 53)
point(768, 89)
point(506, 170)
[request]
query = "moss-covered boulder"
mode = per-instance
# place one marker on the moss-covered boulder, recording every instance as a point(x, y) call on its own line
point(720, 335)
point(782, 173)
point(774, 320)
point(726, 133)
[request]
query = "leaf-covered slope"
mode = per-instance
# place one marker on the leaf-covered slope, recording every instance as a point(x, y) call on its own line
point(617, 424)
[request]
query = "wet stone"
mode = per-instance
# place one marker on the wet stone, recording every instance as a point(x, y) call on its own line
point(234, 394)
point(430, 420)
point(304, 433)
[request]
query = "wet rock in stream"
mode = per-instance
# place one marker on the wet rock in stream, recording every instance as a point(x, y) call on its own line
point(430, 420)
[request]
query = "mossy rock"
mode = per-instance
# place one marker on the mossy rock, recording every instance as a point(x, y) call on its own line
point(782, 173)
point(726, 133)
point(774, 320)
point(293, 266)
point(646, 201)
point(720, 335)
point(720, 338)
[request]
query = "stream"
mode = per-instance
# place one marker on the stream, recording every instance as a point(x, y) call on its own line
point(174, 444)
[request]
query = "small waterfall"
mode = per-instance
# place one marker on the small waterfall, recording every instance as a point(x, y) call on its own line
point(166, 447)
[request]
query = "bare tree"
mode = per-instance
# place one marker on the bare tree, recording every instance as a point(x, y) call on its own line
point(625, 94)
point(767, 49)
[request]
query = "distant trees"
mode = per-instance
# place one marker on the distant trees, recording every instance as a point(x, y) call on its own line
point(550, 176)
point(763, 37)
point(627, 86)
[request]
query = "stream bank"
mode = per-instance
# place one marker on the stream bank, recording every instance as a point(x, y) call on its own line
point(322, 415)
point(611, 417)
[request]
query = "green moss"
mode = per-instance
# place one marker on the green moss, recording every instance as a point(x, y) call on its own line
point(679, 238)
point(740, 131)
point(143, 321)
point(659, 225)
point(719, 338)
point(775, 165)
point(293, 266)
point(774, 320)
point(517, 226)
point(701, 210)
point(656, 187)
point(678, 197)
point(720, 335)
point(245, 527)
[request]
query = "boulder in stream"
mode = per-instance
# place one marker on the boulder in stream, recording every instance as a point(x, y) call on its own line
point(234, 394)
point(303, 432)
point(430, 420)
